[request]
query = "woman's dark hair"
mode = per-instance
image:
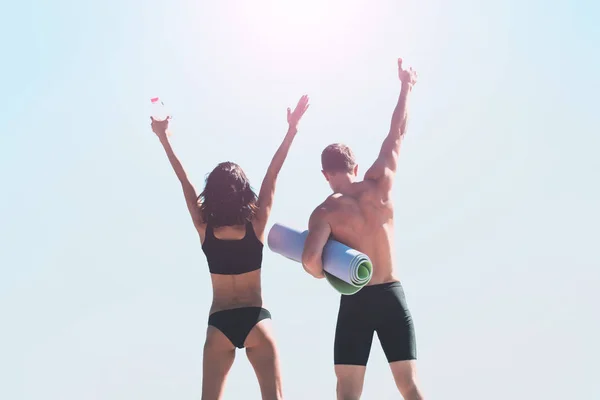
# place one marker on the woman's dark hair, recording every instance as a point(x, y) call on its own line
point(227, 198)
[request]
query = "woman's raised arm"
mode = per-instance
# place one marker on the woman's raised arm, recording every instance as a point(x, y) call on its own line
point(267, 189)
point(189, 192)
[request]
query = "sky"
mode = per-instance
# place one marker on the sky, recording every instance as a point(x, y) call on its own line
point(104, 290)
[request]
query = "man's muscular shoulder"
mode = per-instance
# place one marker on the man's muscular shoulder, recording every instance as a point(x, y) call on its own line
point(335, 201)
point(327, 208)
point(373, 193)
point(320, 212)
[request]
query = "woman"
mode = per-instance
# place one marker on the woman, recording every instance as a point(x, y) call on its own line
point(231, 221)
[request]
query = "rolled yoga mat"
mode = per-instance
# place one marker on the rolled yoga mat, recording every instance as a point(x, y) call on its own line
point(346, 269)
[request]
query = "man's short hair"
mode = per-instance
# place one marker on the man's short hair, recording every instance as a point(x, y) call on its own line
point(337, 157)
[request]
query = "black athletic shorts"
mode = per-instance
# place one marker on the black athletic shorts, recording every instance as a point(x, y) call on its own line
point(378, 308)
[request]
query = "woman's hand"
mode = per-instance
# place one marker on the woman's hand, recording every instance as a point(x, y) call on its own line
point(294, 117)
point(160, 128)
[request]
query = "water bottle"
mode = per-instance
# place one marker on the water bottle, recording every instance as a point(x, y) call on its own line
point(158, 111)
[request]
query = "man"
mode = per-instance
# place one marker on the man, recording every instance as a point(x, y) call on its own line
point(361, 215)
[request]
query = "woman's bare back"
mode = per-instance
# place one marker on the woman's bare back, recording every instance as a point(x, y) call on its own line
point(235, 291)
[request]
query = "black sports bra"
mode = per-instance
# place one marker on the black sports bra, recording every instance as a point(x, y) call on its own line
point(233, 257)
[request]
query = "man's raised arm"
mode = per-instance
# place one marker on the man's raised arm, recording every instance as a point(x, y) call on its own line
point(384, 168)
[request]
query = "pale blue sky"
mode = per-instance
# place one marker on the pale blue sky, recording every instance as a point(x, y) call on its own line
point(104, 290)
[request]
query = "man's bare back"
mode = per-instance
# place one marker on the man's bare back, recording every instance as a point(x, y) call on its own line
point(361, 215)
point(362, 220)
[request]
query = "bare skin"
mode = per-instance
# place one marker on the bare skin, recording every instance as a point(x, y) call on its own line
point(360, 214)
point(244, 290)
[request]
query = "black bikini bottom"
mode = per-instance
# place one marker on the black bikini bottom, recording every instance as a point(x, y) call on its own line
point(237, 323)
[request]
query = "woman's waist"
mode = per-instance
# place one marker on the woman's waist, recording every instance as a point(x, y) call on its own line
point(234, 291)
point(235, 296)
point(229, 303)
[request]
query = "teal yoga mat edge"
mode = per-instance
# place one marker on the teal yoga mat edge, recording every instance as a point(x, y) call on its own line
point(340, 286)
